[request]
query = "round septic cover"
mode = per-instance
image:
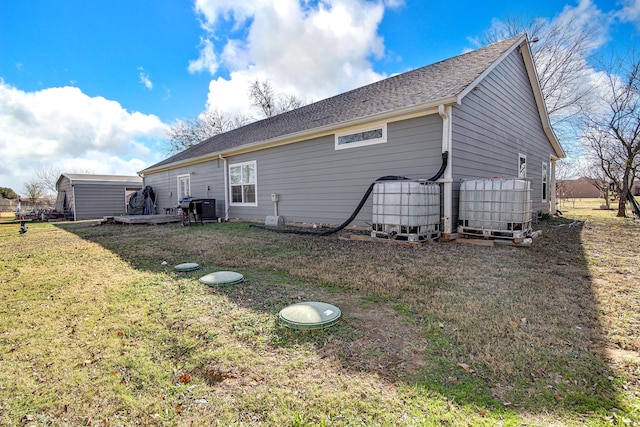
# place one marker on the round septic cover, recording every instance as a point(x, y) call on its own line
point(187, 266)
point(222, 278)
point(310, 315)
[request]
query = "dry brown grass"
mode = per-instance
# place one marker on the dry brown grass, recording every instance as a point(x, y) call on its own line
point(445, 333)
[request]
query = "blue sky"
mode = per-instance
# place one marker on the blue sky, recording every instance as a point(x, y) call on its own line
point(92, 85)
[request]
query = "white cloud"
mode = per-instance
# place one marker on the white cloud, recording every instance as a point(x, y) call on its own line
point(630, 12)
point(144, 78)
point(230, 95)
point(207, 61)
point(229, 10)
point(311, 50)
point(64, 128)
point(583, 18)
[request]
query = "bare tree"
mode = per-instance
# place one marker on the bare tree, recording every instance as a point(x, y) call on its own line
point(612, 136)
point(565, 171)
point(262, 96)
point(596, 177)
point(268, 102)
point(34, 191)
point(47, 178)
point(560, 49)
point(184, 134)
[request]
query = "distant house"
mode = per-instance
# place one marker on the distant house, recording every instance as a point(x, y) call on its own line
point(580, 188)
point(477, 115)
point(8, 205)
point(86, 196)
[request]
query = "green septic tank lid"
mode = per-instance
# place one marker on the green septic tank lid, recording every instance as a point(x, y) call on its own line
point(187, 266)
point(310, 315)
point(220, 278)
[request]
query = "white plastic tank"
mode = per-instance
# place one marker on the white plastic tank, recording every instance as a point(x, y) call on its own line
point(495, 206)
point(408, 210)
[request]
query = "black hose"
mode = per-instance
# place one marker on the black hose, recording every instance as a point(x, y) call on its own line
point(443, 166)
point(345, 223)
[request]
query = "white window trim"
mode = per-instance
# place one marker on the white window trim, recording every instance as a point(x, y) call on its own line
point(178, 178)
point(359, 129)
point(520, 157)
point(545, 173)
point(255, 168)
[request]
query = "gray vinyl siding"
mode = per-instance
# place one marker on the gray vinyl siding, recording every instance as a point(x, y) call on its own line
point(318, 184)
point(96, 200)
point(206, 179)
point(493, 125)
point(315, 182)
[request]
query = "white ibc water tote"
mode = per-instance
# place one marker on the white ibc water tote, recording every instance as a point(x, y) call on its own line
point(495, 208)
point(406, 210)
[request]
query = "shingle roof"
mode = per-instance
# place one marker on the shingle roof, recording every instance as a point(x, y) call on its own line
point(116, 179)
point(439, 81)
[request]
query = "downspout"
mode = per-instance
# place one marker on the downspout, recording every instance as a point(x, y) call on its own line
point(446, 179)
point(552, 187)
point(226, 188)
point(73, 194)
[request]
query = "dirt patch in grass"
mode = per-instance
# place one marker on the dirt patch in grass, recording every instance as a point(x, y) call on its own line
point(371, 335)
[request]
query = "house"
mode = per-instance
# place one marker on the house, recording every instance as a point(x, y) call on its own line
point(8, 205)
point(581, 188)
point(87, 196)
point(480, 115)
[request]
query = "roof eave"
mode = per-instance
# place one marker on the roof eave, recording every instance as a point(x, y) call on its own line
point(523, 43)
point(537, 93)
point(490, 69)
point(414, 110)
point(73, 178)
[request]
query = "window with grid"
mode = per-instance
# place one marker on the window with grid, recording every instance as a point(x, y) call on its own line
point(243, 184)
point(184, 186)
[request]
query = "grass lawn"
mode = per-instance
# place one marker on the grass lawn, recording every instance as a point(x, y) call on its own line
point(96, 330)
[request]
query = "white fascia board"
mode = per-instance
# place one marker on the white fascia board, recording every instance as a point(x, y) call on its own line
point(489, 69)
point(537, 93)
point(523, 43)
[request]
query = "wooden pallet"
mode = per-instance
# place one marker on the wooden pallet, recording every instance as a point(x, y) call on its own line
point(363, 238)
point(408, 237)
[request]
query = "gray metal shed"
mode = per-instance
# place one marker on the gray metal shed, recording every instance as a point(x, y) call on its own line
point(87, 196)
